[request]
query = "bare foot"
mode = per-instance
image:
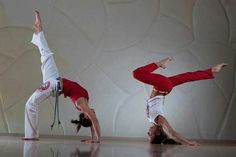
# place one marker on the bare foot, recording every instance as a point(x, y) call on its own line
point(218, 67)
point(37, 22)
point(163, 63)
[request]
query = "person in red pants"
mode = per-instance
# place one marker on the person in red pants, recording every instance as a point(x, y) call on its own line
point(161, 131)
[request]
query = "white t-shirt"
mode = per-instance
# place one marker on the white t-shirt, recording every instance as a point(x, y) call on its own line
point(155, 108)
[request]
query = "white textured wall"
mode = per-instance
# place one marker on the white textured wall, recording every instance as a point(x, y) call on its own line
point(100, 42)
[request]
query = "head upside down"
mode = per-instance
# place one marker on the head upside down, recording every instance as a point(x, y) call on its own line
point(83, 121)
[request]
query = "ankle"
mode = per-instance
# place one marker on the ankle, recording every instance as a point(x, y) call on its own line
point(164, 62)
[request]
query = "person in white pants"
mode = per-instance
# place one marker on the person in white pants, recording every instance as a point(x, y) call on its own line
point(50, 75)
point(77, 93)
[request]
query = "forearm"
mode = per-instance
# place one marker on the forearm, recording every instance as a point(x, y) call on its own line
point(179, 138)
point(95, 124)
point(96, 128)
point(92, 132)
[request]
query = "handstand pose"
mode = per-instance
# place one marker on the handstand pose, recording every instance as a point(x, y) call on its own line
point(161, 131)
point(51, 79)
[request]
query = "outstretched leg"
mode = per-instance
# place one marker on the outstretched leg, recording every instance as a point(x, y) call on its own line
point(50, 73)
point(49, 68)
point(197, 75)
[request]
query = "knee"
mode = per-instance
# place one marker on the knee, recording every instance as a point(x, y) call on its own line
point(31, 106)
point(137, 74)
point(134, 74)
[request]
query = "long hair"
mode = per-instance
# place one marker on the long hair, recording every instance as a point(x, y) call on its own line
point(170, 141)
point(162, 138)
point(85, 122)
point(159, 138)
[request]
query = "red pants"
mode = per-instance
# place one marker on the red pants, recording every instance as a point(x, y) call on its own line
point(165, 84)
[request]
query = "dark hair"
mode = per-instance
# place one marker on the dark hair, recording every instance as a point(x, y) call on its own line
point(85, 122)
point(170, 141)
point(162, 139)
point(158, 138)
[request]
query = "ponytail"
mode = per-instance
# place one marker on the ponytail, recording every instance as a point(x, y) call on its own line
point(85, 122)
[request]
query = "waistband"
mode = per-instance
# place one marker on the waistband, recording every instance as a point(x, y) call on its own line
point(58, 88)
point(59, 84)
point(161, 92)
point(156, 97)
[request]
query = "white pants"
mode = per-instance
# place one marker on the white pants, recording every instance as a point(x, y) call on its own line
point(50, 73)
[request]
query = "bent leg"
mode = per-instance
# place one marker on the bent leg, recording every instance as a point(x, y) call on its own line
point(145, 75)
point(31, 110)
point(191, 76)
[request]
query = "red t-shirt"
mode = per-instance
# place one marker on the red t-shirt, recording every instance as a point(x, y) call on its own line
point(73, 90)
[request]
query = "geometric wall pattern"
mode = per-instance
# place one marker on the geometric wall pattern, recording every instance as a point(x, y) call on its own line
point(99, 43)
